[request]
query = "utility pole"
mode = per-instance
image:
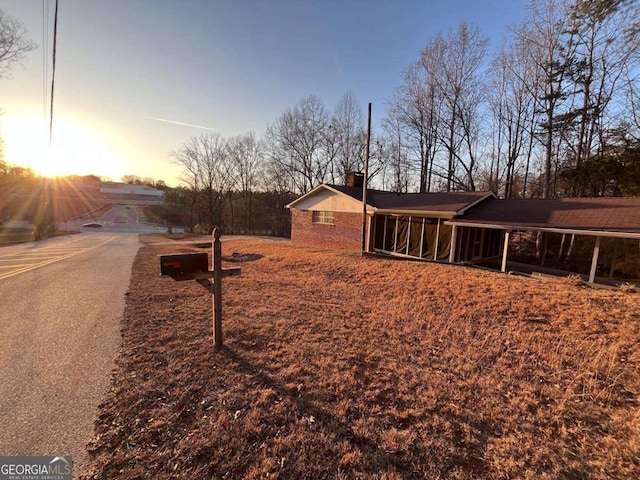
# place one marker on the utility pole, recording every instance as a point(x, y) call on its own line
point(364, 183)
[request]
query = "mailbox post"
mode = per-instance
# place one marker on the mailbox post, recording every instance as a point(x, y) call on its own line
point(217, 288)
point(195, 266)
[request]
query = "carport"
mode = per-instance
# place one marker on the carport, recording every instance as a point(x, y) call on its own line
point(597, 218)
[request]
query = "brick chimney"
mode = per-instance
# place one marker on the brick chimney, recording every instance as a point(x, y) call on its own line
point(355, 179)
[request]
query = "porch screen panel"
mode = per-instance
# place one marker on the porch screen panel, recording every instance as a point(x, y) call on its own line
point(431, 227)
point(378, 241)
point(402, 234)
point(415, 235)
point(444, 242)
point(390, 233)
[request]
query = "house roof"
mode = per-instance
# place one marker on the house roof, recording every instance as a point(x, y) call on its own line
point(455, 203)
point(445, 203)
point(611, 214)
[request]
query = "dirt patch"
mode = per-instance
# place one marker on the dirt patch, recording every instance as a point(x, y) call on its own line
point(337, 366)
point(238, 257)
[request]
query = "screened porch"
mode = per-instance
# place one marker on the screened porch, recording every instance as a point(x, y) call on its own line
point(412, 236)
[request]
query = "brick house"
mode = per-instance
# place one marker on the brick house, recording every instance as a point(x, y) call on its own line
point(457, 227)
point(406, 224)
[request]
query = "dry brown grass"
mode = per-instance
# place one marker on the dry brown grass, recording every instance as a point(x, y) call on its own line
point(342, 367)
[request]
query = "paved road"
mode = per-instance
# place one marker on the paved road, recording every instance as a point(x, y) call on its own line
point(126, 220)
point(60, 324)
point(29, 256)
point(118, 219)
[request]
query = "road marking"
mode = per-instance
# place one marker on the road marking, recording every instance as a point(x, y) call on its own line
point(13, 265)
point(28, 255)
point(50, 257)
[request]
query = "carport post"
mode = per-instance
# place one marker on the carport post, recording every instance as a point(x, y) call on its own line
point(217, 288)
point(594, 261)
point(505, 249)
point(454, 241)
point(437, 240)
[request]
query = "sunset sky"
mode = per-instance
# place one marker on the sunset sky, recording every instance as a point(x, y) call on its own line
point(136, 79)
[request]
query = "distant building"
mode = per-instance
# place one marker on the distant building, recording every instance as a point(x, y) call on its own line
point(116, 193)
point(114, 188)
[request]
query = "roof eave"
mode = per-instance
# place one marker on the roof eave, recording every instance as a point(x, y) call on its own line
point(312, 192)
point(305, 196)
point(534, 228)
point(415, 213)
point(435, 213)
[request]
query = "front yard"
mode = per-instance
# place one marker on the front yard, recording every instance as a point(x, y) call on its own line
point(337, 366)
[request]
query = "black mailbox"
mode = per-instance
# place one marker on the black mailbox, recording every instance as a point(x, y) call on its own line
point(185, 266)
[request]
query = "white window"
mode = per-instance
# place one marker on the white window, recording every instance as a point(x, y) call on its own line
point(323, 217)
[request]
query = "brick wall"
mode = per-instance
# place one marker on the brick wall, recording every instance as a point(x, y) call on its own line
point(345, 233)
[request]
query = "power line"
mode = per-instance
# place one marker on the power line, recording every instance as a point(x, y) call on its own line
point(53, 70)
point(45, 34)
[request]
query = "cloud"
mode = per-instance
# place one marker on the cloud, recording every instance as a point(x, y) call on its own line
point(181, 123)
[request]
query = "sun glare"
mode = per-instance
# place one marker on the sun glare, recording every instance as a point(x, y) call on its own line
point(75, 150)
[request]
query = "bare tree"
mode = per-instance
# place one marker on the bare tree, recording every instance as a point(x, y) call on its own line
point(454, 64)
point(471, 128)
point(298, 140)
point(513, 114)
point(416, 106)
point(398, 171)
point(190, 163)
point(206, 171)
point(246, 157)
point(549, 52)
point(211, 149)
point(13, 45)
point(347, 131)
point(275, 182)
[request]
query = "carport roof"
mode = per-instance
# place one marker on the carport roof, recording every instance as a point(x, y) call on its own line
point(611, 214)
